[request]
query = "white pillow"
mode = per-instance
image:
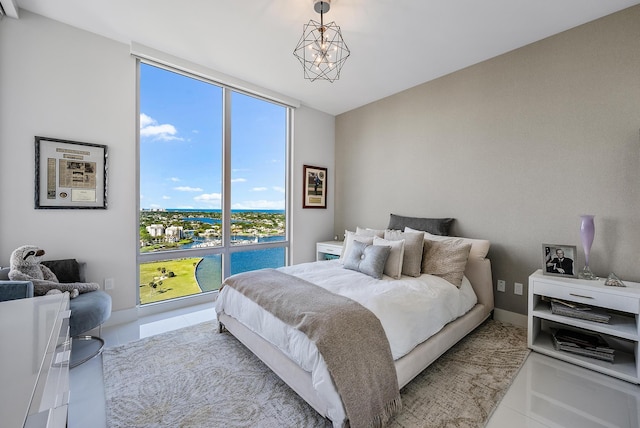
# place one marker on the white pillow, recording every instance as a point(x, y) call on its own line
point(370, 232)
point(479, 247)
point(349, 237)
point(393, 266)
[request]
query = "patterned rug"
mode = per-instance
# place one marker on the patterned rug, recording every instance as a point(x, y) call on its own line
point(196, 377)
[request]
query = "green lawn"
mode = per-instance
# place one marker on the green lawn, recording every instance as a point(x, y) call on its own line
point(183, 283)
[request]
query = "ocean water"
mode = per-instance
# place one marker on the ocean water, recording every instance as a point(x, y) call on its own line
point(209, 270)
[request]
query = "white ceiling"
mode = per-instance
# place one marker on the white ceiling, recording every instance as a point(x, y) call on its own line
point(395, 44)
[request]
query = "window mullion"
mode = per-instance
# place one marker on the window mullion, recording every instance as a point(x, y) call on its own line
point(226, 181)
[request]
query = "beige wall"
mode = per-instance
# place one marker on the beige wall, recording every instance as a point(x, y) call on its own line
point(63, 82)
point(515, 148)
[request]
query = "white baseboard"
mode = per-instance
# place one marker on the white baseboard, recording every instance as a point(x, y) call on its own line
point(121, 317)
point(510, 317)
point(133, 314)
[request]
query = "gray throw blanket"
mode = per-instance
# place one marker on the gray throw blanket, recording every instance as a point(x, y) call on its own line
point(349, 337)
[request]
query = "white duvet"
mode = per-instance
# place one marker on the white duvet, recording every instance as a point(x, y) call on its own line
point(410, 310)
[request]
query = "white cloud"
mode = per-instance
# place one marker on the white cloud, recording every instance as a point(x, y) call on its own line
point(259, 205)
point(259, 189)
point(187, 189)
point(238, 180)
point(166, 197)
point(150, 128)
point(209, 197)
point(279, 189)
point(174, 179)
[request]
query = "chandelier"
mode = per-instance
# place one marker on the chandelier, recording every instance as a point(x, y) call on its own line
point(321, 49)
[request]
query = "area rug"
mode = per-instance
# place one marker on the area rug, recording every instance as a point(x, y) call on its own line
point(196, 377)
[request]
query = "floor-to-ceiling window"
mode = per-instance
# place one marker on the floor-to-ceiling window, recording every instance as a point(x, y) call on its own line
point(213, 174)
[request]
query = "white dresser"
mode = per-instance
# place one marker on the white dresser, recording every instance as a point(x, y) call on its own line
point(34, 357)
point(622, 332)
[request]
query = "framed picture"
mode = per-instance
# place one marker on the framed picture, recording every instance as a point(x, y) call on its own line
point(314, 187)
point(70, 174)
point(559, 260)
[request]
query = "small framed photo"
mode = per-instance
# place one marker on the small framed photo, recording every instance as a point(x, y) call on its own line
point(315, 187)
point(559, 260)
point(70, 174)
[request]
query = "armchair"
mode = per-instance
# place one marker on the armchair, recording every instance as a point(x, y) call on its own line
point(88, 310)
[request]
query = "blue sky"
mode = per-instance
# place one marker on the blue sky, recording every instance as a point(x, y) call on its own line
point(181, 145)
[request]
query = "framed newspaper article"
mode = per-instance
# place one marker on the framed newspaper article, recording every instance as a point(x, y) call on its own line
point(70, 174)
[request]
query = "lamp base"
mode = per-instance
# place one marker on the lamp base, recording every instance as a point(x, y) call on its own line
point(586, 273)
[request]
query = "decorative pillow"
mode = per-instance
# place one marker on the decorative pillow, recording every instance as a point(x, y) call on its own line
point(437, 226)
point(349, 238)
point(393, 266)
point(368, 259)
point(370, 232)
point(479, 247)
point(66, 270)
point(413, 245)
point(446, 259)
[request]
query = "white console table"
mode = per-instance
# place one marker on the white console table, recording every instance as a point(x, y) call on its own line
point(34, 369)
point(622, 332)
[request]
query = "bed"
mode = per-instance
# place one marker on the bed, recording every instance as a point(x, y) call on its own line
point(295, 359)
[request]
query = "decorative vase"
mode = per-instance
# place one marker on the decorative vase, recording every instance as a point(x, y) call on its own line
point(587, 232)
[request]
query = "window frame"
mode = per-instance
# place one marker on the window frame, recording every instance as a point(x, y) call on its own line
point(226, 249)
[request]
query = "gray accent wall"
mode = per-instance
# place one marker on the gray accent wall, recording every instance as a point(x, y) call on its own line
point(515, 148)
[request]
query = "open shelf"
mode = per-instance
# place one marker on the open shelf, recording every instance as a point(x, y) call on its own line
point(622, 332)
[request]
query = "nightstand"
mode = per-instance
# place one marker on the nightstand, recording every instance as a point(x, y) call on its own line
point(328, 250)
point(621, 332)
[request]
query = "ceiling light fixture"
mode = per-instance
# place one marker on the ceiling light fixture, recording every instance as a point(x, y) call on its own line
point(321, 49)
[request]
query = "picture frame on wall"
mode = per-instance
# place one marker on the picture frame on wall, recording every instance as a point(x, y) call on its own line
point(314, 187)
point(559, 260)
point(70, 174)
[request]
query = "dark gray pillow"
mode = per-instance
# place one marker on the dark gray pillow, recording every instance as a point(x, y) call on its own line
point(435, 226)
point(66, 270)
point(368, 259)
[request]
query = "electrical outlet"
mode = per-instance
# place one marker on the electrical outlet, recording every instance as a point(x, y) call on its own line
point(109, 284)
point(517, 288)
point(501, 285)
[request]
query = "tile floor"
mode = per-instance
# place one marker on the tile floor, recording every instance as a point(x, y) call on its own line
point(545, 393)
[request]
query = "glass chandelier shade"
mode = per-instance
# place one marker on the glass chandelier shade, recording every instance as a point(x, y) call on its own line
point(321, 50)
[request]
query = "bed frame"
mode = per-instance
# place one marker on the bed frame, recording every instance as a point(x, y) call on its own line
point(409, 366)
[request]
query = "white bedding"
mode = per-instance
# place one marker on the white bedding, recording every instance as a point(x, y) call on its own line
point(410, 310)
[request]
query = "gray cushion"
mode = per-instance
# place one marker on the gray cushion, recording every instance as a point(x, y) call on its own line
point(349, 237)
point(368, 259)
point(446, 259)
point(437, 226)
point(413, 246)
point(88, 311)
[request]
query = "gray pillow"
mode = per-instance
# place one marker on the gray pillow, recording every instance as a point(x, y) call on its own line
point(436, 226)
point(446, 259)
point(367, 259)
point(413, 246)
point(67, 270)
